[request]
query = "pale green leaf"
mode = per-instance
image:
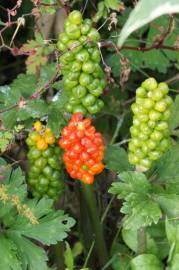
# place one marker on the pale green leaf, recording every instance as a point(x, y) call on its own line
point(146, 262)
point(131, 240)
point(68, 255)
point(131, 182)
point(145, 12)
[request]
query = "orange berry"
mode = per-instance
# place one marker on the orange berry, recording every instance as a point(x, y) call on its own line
point(87, 178)
point(97, 168)
point(41, 144)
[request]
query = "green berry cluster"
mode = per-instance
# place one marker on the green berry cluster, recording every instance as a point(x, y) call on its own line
point(44, 169)
point(150, 135)
point(83, 78)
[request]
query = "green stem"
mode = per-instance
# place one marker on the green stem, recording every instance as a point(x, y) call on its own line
point(97, 226)
point(141, 240)
point(59, 256)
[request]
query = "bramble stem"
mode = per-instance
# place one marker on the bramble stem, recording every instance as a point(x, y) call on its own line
point(95, 221)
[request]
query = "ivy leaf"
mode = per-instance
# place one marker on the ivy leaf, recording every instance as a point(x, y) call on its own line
point(139, 207)
point(9, 259)
point(116, 159)
point(141, 15)
point(146, 262)
point(32, 257)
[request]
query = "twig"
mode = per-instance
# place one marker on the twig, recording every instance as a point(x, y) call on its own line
point(173, 79)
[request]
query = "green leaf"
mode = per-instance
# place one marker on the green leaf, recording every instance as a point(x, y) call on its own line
point(68, 255)
point(146, 262)
point(32, 257)
point(54, 117)
point(141, 15)
point(23, 86)
point(116, 159)
point(9, 118)
point(174, 120)
point(139, 207)
point(77, 249)
point(172, 232)
point(9, 259)
point(140, 211)
point(52, 227)
point(167, 168)
point(112, 4)
point(168, 203)
point(132, 182)
point(131, 240)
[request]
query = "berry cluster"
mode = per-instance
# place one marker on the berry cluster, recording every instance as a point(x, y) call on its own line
point(83, 78)
point(44, 163)
point(84, 149)
point(150, 136)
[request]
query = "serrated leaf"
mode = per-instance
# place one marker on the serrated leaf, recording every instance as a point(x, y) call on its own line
point(52, 227)
point(146, 262)
point(23, 86)
point(9, 118)
point(37, 108)
point(116, 159)
point(139, 207)
point(9, 259)
point(32, 257)
point(141, 15)
point(140, 211)
point(132, 182)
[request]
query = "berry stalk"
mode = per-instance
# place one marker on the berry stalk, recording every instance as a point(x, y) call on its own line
point(96, 224)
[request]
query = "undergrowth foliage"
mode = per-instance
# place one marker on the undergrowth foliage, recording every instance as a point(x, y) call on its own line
point(106, 89)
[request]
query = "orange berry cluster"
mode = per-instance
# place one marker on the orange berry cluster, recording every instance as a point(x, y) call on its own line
point(43, 137)
point(84, 149)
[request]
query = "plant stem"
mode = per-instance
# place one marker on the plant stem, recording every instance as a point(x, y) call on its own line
point(142, 240)
point(97, 226)
point(59, 258)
